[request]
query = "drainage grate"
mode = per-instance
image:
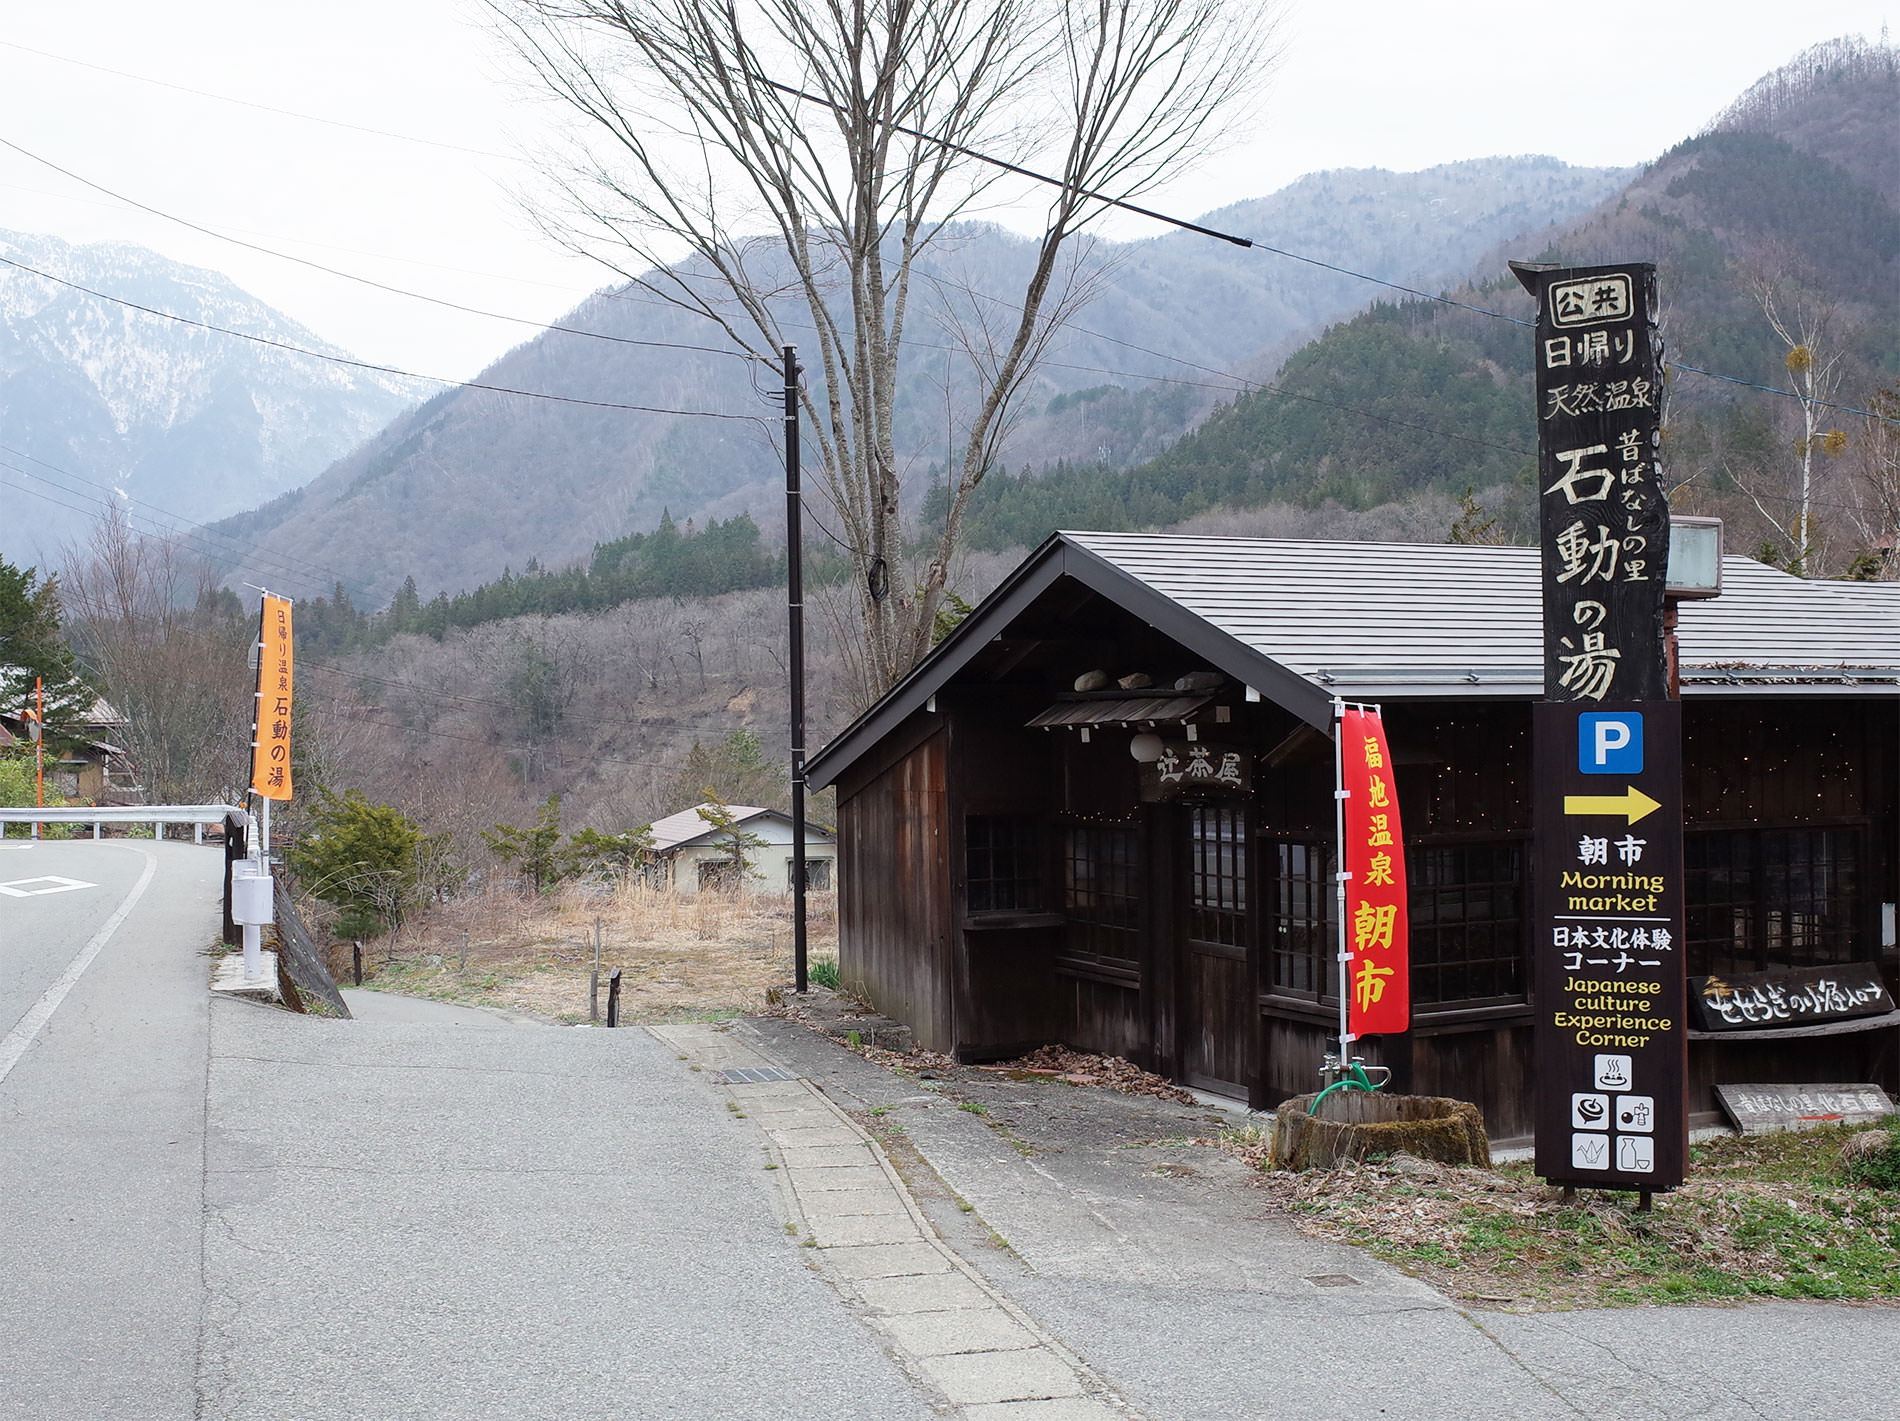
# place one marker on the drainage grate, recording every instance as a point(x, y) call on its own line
point(1331, 1280)
point(752, 1075)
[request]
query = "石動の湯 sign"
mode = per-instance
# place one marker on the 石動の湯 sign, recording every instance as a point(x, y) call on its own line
point(1606, 897)
point(270, 730)
point(1602, 513)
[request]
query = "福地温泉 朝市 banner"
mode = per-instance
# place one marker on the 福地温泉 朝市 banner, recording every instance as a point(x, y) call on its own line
point(1378, 972)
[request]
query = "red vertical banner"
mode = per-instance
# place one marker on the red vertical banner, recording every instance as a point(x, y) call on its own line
point(270, 731)
point(1378, 976)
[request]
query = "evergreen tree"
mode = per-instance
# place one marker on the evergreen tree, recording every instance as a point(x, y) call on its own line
point(32, 645)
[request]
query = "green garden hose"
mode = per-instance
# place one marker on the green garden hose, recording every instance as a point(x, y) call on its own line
point(1355, 1078)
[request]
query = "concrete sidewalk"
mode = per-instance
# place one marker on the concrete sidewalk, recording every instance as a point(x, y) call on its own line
point(1148, 1259)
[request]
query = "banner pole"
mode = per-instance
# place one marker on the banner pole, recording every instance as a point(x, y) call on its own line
point(1341, 873)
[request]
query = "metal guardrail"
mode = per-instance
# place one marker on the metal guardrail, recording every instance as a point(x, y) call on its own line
point(157, 815)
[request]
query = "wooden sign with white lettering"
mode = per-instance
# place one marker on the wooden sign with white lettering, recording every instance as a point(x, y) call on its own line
point(1806, 996)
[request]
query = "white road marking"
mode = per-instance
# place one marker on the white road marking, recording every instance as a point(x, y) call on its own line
point(13, 1045)
point(18, 888)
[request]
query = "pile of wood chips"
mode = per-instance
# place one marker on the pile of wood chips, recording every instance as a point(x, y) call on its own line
point(1085, 1068)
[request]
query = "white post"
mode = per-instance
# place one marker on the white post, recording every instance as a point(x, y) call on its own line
point(253, 952)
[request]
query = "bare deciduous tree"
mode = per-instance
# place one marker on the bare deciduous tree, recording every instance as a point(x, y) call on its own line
point(1807, 325)
point(805, 154)
point(171, 650)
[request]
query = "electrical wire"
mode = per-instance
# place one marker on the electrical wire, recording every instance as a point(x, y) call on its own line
point(236, 546)
point(362, 280)
point(264, 108)
point(1785, 394)
point(370, 365)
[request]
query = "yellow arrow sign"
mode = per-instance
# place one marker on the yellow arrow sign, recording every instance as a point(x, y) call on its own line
point(1634, 804)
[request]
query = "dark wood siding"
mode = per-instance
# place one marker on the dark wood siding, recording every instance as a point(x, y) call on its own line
point(1006, 996)
point(894, 890)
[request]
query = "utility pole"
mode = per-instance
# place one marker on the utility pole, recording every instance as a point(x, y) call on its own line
point(795, 617)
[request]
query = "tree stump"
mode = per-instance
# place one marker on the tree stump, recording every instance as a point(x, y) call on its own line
point(1355, 1123)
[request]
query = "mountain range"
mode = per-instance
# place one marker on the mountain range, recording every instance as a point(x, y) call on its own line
point(100, 400)
point(474, 481)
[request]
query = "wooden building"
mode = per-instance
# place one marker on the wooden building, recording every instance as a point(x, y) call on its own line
point(1013, 875)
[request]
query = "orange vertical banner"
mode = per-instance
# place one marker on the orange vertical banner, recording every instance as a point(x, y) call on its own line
point(270, 730)
point(1379, 987)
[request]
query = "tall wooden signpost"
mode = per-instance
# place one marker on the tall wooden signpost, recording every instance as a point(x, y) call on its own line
point(1611, 1047)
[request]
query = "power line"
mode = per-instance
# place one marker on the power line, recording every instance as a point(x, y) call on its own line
point(1785, 394)
point(1148, 212)
point(1277, 251)
point(1247, 386)
point(281, 560)
point(265, 108)
point(93, 512)
point(370, 365)
point(361, 280)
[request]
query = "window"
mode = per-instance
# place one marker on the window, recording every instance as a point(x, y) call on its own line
point(1301, 926)
point(1761, 900)
point(1466, 907)
point(719, 875)
point(1101, 890)
point(1002, 859)
point(817, 875)
point(1217, 902)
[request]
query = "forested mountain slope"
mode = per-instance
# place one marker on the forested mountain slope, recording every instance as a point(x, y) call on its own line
point(1789, 196)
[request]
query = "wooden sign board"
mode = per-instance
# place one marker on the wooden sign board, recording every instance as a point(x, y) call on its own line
point(1807, 996)
point(1764, 1109)
point(1194, 769)
point(1607, 899)
point(1603, 515)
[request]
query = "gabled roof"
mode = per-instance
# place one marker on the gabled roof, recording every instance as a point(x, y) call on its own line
point(677, 831)
point(1304, 621)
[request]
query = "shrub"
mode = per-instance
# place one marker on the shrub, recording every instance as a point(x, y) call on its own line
point(823, 973)
point(362, 857)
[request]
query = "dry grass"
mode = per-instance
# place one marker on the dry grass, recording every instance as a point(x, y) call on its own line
point(1769, 1216)
point(681, 955)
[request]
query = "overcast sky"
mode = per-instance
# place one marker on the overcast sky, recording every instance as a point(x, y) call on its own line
point(1390, 83)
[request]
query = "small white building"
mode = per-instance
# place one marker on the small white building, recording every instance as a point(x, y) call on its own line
point(693, 854)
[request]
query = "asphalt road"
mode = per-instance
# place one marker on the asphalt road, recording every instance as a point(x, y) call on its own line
point(213, 1209)
point(102, 1107)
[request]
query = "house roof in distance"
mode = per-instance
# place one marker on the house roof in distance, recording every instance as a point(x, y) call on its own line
point(1304, 621)
point(678, 831)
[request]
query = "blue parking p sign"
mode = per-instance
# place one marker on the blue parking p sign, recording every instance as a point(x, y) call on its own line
point(1610, 742)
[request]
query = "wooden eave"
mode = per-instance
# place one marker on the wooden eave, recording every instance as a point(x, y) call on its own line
point(1055, 560)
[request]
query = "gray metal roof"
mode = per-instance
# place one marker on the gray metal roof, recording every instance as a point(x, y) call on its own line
point(1302, 622)
point(1409, 619)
